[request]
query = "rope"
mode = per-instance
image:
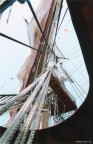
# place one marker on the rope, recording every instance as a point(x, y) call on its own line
point(36, 19)
point(10, 38)
point(16, 98)
point(33, 112)
point(63, 18)
point(14, 126)
point(32, 133)
point(77, 88)
point(24, 132)
point(78, 70)
point(5, 5)
point(9, 14)
point(58, 19)
point(75, 57)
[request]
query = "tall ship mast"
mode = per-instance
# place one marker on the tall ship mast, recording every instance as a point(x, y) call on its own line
point(43, 100)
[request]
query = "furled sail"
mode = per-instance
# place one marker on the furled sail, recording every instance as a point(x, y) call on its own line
point(34, 39)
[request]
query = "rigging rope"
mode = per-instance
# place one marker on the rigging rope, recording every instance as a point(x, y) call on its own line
point(10, 38)
point(77, 87)
point(31, 136)
point(61, 3)
point(15, 99)
point(63, 57)
point(63, 18)
point(24, 132)
point(33, 12)
point(14, 126)
point(76, 92)
point(9, 14)
point(46, 35)
point(78, 70)
point(75, 57)
point(72, 49)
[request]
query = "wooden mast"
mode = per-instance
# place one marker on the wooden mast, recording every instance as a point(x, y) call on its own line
point(39, 61)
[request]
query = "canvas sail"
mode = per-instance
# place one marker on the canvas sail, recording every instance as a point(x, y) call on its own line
point(34, 36)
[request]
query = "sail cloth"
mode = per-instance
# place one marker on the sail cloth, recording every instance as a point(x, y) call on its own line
point(34, 36)
point(1, 1)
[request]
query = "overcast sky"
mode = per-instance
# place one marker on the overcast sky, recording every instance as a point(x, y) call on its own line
point(12, 54)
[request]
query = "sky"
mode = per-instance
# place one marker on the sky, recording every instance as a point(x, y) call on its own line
point(12, 54)
point(68, 43)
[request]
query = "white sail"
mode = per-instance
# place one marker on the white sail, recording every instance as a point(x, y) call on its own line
point(34, 36)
